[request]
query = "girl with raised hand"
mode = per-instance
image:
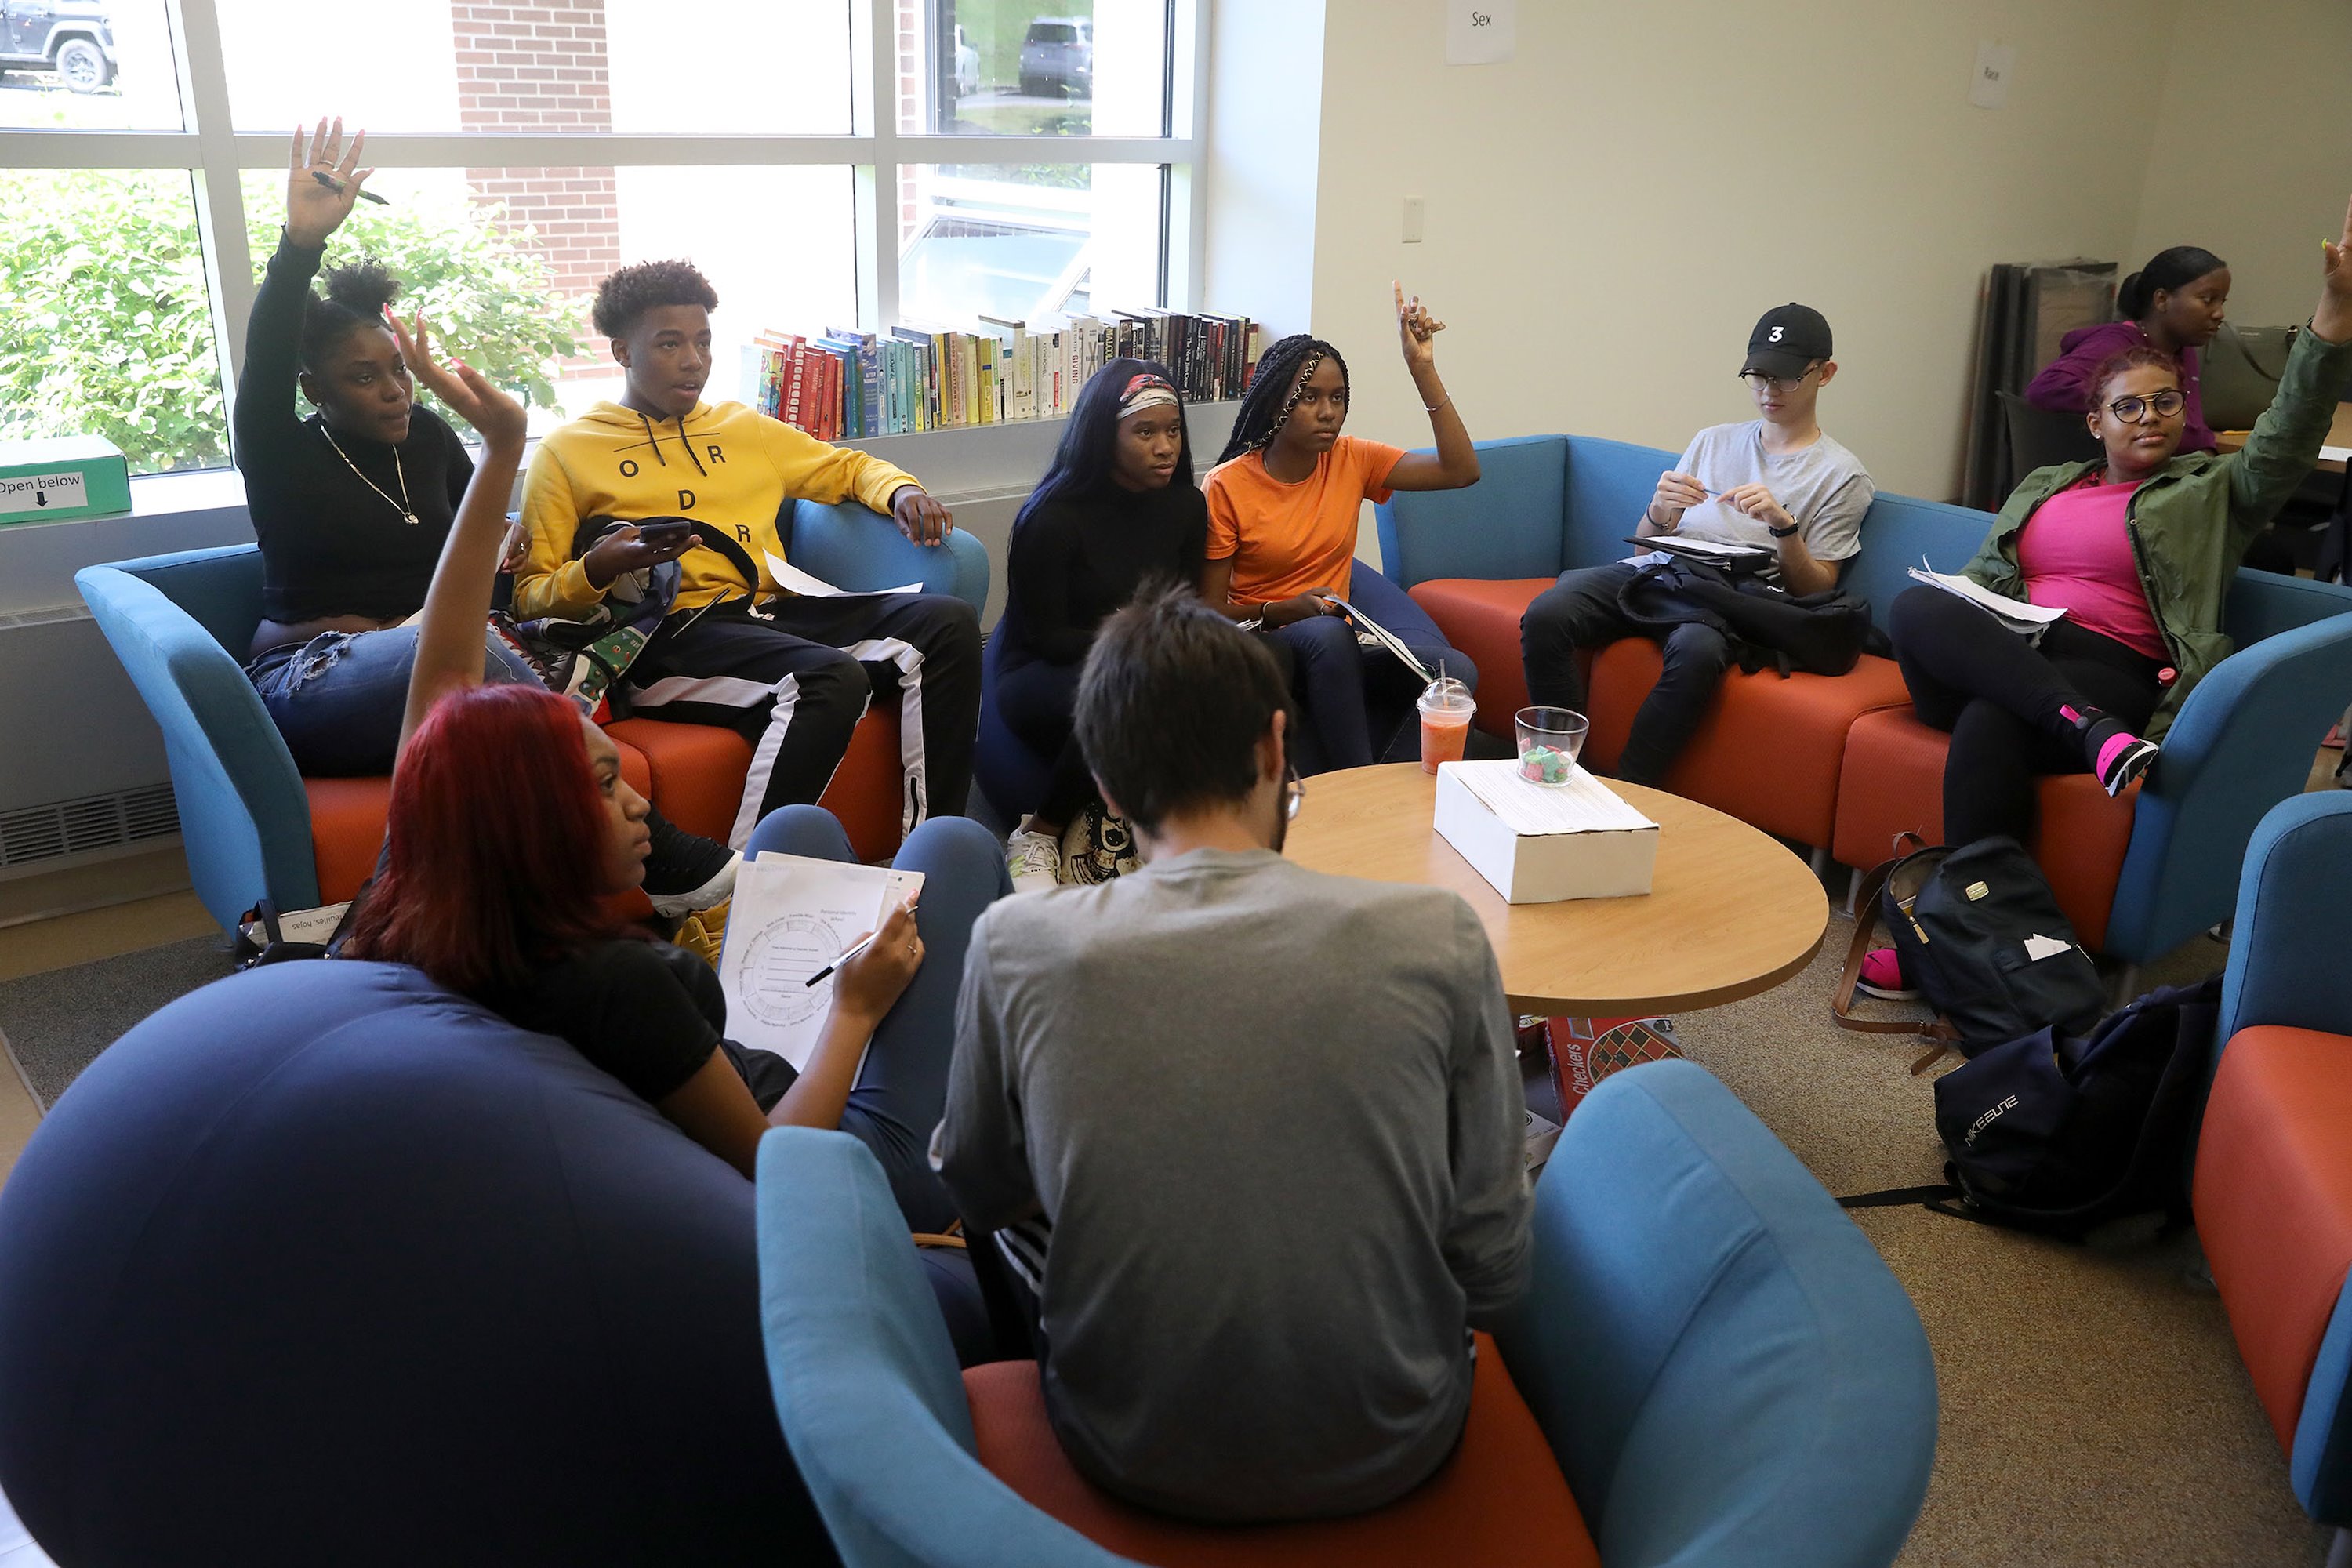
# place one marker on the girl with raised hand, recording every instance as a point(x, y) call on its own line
point(1116, 510)
point(512, 826)
point(2174, 305)
point(1283, 504)
point(2138, 548)
point(353, 505)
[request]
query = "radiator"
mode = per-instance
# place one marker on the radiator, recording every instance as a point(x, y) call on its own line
point(41, 838)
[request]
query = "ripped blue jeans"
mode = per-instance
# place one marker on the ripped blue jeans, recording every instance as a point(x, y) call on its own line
point(338, 698)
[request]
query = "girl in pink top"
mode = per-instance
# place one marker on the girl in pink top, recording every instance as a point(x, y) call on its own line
point(2076, 554)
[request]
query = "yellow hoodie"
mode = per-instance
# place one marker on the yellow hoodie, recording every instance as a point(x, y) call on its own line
point(726, 467)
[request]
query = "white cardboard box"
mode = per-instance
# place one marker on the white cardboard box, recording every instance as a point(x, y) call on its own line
point(1540, 844)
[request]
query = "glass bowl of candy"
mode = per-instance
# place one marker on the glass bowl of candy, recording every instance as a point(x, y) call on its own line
point(1549, 740)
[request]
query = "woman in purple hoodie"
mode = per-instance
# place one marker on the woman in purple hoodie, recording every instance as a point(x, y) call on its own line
point(2174, 304)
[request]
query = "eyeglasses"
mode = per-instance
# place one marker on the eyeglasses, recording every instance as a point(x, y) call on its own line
point(1757, 382)
point(1294, 794)
point(2164, 405)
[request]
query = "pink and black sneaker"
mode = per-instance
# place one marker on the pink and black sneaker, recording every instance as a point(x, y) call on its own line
point(2117, 755)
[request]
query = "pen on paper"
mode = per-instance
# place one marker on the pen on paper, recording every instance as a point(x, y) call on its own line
point(854, 948)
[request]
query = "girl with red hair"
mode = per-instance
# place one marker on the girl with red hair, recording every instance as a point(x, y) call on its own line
point(512, 826)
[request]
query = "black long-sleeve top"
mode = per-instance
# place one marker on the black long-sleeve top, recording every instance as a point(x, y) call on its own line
point(1072, 562)
point(329, 546)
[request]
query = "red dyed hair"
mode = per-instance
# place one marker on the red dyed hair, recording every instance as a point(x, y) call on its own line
point(495, 843)
point(2137, 357)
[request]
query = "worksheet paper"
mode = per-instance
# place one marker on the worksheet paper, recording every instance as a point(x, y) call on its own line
point(2015, 614)
point(792, 916)
point(1582, 805)
point(793, 580)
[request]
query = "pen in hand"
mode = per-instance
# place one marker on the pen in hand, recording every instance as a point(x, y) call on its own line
point(336, 185)
point(855, 948)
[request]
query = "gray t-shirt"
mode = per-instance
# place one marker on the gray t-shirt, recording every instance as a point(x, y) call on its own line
point(1823, 487)
point(1276, 1119)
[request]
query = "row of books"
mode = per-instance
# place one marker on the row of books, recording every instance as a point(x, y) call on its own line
point(843, 384)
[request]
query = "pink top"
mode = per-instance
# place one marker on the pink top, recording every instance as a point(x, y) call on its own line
point(2077, 554)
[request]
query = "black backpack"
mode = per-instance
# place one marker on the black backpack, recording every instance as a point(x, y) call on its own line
point(1823, 634)
point(2059, 1133)
point(1980, 934)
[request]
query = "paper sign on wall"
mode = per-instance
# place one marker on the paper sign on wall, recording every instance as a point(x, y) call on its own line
point(1480, 32)
point(1988, 88)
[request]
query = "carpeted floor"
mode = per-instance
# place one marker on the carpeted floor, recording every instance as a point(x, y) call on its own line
point(2094, 1408)
point(55, 1023)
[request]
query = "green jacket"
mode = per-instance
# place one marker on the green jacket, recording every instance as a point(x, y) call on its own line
point(2192, 520)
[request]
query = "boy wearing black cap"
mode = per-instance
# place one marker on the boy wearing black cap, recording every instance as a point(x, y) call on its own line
point(1776, 482)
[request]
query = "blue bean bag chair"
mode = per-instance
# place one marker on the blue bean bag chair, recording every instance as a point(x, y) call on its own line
point(322, 1264)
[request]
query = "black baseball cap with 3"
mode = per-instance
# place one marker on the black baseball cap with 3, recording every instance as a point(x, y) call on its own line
point(1787, 339)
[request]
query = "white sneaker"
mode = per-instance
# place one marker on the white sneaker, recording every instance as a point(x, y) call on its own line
point(710, 894)
point(1034, 859)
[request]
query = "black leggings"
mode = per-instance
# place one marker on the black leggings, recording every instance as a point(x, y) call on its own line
point(1037, 700)
point(1999, 697)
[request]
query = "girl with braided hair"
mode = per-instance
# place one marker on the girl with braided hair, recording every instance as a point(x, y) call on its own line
point(1283, 504)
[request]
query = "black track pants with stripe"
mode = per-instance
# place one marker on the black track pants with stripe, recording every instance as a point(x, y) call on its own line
point(794, 677)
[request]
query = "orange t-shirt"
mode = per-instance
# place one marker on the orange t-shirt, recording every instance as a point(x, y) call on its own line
point(1284, 539)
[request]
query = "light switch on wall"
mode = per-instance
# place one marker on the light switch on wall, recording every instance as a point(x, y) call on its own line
point(1412, 220)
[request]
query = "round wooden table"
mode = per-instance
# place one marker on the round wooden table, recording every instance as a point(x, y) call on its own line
point(1729, 913)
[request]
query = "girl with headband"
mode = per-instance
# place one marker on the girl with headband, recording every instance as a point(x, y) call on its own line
point(1117, 509)
point(1283, 505)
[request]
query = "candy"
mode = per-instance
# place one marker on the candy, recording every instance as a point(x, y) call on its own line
point(1543, 766)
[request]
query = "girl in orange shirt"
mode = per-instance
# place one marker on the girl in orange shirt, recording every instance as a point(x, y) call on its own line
point(1283, 501)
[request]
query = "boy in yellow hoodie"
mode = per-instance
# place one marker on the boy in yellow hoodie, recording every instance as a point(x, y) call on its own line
point(791, 675)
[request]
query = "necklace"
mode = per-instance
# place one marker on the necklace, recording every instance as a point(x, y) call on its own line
point(408, 514)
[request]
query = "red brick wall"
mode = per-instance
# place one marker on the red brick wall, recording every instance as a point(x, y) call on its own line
point(527, 66)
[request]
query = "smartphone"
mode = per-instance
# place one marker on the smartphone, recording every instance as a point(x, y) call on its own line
point(664, 531)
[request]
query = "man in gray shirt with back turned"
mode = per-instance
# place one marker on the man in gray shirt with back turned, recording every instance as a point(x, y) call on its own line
point(1273, 1116)
point(1776, 482)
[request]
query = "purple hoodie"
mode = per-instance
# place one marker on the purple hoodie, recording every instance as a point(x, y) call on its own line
point(2065, 384)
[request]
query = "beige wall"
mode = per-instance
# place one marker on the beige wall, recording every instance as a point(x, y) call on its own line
point(1608, 212)
point(2255, 160)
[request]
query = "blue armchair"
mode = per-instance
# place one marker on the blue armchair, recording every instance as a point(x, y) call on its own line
point(2242, 742)
point(181, 625)
point(2272, 1186)
point(1723, 1369)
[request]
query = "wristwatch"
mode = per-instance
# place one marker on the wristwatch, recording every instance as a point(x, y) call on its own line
point(1779, 532)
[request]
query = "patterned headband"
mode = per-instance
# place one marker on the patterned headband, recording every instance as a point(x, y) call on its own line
point(1146, 391)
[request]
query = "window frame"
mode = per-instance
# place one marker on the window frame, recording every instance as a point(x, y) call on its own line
point(214, 155)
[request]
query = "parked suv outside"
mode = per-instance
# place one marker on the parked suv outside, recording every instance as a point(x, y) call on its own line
point(72, 37)
point(1058, 54)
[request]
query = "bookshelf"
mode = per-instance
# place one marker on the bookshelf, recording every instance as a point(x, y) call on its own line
point(983, 472)
point(970, 461)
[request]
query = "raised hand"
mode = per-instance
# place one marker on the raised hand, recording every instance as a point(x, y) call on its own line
point(314, 211)
point(494, 415)
point(1416, 327)
point(2333, 318)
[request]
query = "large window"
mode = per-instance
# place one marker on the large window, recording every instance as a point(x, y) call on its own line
point(813, 157)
